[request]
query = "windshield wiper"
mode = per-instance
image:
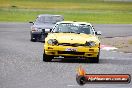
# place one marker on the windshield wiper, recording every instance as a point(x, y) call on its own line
point(56, 32)
point(67, 32)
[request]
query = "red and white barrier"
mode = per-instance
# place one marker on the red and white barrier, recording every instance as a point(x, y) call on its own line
point(107, 47)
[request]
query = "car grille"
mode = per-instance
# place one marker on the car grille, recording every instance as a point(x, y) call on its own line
point(71, 52)
point(69, 44)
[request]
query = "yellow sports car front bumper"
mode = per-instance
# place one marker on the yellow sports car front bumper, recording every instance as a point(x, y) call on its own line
point(80, 51)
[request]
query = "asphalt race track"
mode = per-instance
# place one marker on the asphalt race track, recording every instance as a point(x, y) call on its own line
point(113, 30)
point(21, 64)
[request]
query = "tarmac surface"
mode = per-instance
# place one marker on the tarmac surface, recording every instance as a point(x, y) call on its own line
point(114, 30)
point(21, 64)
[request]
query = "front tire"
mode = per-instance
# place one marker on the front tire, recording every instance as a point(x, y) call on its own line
point(32, 38)
point(47, 58)
point(94, 59)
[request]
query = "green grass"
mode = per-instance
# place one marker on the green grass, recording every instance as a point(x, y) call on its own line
point(93, 11)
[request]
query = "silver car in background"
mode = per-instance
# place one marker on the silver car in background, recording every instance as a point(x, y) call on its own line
point(42, 25)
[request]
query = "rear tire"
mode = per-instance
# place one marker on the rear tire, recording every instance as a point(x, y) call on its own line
point(47, 58)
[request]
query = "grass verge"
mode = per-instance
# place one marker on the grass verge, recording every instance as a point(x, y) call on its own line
point(93, 11)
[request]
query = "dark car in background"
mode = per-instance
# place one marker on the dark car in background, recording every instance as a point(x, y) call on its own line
point(42, 25)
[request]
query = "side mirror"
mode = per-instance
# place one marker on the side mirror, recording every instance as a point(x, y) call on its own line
point(47, 30)
point(98, 32)
point(31, 22)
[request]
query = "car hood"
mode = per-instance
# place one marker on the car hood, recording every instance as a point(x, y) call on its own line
point(72, 37)
point(44, 26)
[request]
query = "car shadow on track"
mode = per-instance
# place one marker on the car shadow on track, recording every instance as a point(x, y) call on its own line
point(102, 61)
point(71, 61)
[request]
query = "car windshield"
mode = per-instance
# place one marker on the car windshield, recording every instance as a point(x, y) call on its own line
point(49, 19)
point(73, 28)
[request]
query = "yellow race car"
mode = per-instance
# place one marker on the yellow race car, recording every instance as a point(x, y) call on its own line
point(72, 39)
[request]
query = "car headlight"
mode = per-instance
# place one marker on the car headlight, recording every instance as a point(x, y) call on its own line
point(90, 43)
point(52, 42)
point(36, 29)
